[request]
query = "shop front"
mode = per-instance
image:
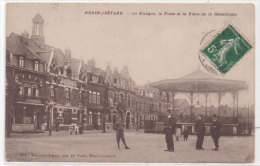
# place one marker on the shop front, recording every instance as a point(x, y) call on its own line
point(28, 117)
point(64, 117)
point(95, 116)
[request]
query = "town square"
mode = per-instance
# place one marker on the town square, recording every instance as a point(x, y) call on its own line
point(152, 89)
point(144, 148)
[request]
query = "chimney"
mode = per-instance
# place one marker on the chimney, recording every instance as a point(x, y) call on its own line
point(115, 71)
point(92, 63)
point(25, 37)
point(68, 53)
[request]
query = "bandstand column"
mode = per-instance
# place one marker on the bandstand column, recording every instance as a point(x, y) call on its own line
point(233, 94)
point(206, 95)
point(191, 104)
point(219, 97)
point(173, 108)
point(237, 105)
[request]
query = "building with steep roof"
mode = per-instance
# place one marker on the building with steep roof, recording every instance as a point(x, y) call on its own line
point(26, 76)
point(46, 85)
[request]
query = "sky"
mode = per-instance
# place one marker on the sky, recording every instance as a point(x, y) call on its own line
point(153, 47)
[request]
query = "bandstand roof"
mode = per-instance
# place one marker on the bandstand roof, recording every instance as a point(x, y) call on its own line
point(199, 81)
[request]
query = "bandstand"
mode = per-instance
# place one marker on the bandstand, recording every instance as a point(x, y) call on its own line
point(201, 82)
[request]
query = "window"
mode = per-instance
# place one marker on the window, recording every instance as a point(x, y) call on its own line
point(80, 96)
point(45, 67)
point(69, 72)
point(94, 97)
point(115, 97)
point(21, 61)
point(52, 92)
point(20, 90)
point(61, 71)
point(94, 79)
point(121, 98)
point(90, 118)
point(67, 94)
point(27, 91)
point(67, 116)
point(98, 119)
point(90, 97)
point(100, 81)
point(35, 92)
point(133, 102)
point(129, 101)
point(98, 98)
point(36, 65)
point(115, 81)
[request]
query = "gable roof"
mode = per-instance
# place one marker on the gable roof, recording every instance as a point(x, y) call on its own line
point(198, 74)
point(15, 44)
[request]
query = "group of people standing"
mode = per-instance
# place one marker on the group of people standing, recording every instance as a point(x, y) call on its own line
point(78, 129)
point(170, 128)
point(200, 130)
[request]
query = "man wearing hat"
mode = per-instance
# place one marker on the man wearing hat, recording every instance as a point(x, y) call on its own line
point(215, 131)
point(200, 130)
point(119, 127)
point(169, 129)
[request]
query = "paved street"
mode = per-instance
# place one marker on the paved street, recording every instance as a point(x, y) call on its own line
point(95, 146)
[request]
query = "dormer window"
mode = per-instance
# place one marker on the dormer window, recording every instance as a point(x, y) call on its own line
point(36, 65)
point(115, 81)
point(69, 73)
point(95, 79)
point(21, 61)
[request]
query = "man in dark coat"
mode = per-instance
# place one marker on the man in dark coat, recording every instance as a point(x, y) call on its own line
point(200, 129)
point(57, 125)
point(185, 133)
point(119, 127)
point(215, 131)
point(169, 129)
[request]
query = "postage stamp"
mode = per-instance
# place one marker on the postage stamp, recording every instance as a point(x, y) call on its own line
point(226, 49)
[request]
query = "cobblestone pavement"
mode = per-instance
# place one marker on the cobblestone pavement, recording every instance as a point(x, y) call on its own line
point(95, 146)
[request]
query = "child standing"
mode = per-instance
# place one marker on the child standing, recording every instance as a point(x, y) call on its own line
point(178, 133)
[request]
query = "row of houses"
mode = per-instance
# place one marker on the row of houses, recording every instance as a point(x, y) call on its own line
point(46, 86)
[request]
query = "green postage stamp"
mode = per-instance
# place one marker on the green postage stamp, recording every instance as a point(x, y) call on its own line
point(226, 49)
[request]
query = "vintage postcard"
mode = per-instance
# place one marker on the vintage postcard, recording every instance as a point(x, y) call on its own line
point(130, 82)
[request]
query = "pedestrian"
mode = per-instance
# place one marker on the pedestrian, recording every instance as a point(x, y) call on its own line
point(215, 131)
point(119, 127)
point(185, 133)
point(50, 129)
point(76, 127)
point(80, 129)
point(178, 133)
point(57, 125)
point(169, 129)
point(70, 130)
point(200, 130)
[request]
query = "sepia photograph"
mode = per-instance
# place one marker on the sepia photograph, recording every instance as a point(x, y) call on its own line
point(130, 82)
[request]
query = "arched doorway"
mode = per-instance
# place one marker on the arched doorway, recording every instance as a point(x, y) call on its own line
point(114, 117)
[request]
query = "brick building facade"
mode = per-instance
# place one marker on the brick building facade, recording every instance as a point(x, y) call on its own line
point(46, 87)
